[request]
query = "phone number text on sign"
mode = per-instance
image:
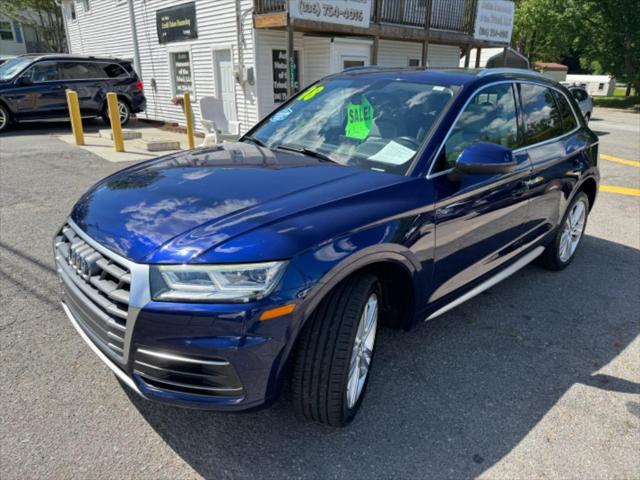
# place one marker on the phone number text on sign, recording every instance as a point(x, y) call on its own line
point(347, 12)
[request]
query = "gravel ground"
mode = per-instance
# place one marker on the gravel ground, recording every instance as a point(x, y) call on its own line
point(537, 378)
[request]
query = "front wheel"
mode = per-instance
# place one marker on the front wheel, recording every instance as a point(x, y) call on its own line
point(560, 253)
point(4, 118)
point(332, 361)
point(123, 111)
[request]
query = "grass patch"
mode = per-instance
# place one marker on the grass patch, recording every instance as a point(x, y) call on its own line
point(617, 102)
point(621, 91)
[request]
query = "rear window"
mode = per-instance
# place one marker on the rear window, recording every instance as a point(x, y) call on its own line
point(569, 122)
point(542, 115)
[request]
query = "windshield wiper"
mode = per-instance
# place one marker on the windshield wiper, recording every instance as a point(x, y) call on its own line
point(309, 152)
point(255, 140)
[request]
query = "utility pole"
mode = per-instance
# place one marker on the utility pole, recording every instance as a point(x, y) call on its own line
point(134, 33)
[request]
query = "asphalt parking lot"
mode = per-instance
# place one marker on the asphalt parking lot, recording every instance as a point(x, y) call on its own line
point(537, 378)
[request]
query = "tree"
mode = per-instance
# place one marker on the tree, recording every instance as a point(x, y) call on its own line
point(44, 16)
point(611, 38)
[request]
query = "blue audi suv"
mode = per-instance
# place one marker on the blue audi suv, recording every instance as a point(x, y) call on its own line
point(212, 278)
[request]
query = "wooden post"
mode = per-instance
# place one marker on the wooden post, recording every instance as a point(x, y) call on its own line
point(114, 117)
point(467, 56)
point(427, 27)
point(74, 115)
point(374, 50)
point(478, 53)
point(188, 113)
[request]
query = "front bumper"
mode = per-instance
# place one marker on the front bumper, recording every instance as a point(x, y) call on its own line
point(216, 357)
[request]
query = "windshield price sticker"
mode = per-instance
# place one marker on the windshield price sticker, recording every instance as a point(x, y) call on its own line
point(311, 93)
point(359, 119)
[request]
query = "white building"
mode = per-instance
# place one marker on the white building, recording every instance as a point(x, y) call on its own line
point(596, 85)
point(236, 50)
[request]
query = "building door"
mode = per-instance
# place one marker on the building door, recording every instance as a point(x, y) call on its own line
point(348, 53)
point(226, 85)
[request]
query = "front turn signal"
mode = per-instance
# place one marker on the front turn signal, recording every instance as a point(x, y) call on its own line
point(277, 312)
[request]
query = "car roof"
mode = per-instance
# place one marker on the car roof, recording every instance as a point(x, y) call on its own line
point(450, 76)
point(65, 56)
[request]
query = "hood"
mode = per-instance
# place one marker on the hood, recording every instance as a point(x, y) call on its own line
point(174, 209)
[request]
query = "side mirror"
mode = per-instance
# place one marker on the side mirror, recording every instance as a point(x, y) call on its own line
point(24, 82)
point(484, 158)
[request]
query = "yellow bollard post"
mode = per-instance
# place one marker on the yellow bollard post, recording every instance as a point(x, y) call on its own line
point(114, 117)
point(189, 116)
point(74, 115)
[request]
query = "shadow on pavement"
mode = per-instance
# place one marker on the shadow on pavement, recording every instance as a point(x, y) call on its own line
point(450, 398)
point(90, 125)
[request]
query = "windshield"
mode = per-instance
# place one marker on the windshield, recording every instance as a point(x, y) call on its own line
point(11, 68)
point(363, 122)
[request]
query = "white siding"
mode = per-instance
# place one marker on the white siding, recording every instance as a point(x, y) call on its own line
point(105, 30)
point(443, 56)
point(393, 53)
point(317, 58)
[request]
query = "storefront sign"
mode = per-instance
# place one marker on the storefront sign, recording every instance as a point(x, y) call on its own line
point(177, 23)
point(356, 13)
point(494, 21)
point(280, 75)
point(181, 68)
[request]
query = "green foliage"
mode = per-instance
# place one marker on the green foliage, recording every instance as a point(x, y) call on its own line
point(44, 16)
point(603, 34)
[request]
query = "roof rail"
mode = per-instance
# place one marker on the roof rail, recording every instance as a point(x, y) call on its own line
point(497, 71)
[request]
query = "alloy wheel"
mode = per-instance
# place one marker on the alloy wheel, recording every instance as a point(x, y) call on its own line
point(3, 119)
point(362, 350)
point(123, 112)
point(572, 231)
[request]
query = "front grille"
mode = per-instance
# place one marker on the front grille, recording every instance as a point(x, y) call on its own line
point(96, 289)
point(192, 375)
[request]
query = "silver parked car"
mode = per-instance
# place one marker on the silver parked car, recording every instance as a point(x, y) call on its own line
point(584, 101)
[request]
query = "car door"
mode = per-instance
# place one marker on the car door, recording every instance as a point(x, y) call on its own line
point(557, 148)
point(88, 81)
point(39, 94)
point(480, 219)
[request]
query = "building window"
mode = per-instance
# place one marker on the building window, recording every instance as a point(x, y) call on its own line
point(71, 10)
point(414, 62)
point(601, 86)
point(6, 32)
point(85, 5)
point(181, 75)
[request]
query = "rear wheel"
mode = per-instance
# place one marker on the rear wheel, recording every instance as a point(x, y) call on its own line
point(5, 118)
point(123, 111)
point(560, 253)
point(334, 355)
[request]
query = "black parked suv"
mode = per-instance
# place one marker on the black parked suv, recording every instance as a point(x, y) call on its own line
point(32, 87)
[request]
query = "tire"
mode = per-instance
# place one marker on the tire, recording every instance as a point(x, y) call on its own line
point(5, 118)
point(327, 353)
point(555, 257)
point(123, 108)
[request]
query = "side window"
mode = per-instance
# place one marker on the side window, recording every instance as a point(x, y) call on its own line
point(490, 117)
point(78, 71)
point(569, 122)
point(43, 72)
point(542, 116)
point(111, 70)
point(579, 94)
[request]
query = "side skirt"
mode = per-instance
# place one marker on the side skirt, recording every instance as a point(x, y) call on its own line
point(487, 284)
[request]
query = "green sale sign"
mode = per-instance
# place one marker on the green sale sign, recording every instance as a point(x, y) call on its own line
point(359, 119)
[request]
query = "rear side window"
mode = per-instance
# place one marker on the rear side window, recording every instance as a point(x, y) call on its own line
point(569, 122)
point(490, 116)
point(78, 71)
point(542, 115)
point(579, 94)
point(111, 70)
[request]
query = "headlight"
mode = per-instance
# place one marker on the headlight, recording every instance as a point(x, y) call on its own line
point(215, 283)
